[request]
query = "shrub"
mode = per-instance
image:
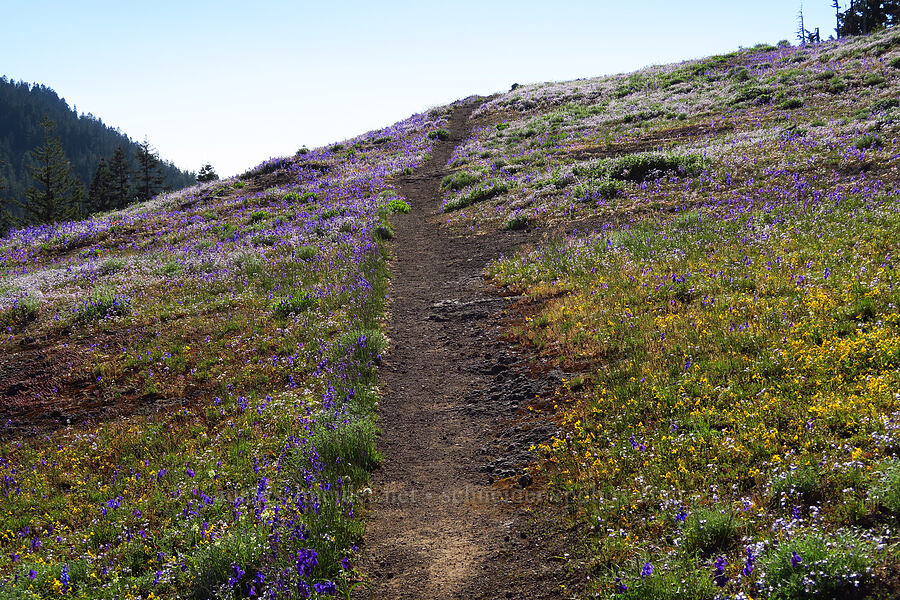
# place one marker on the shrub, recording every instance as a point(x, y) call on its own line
point(815, 566)
point(754, 93)
point(362, 348)
point(679, 581)
point(227, 231)
point(102, 304)
point(594, 191)
point(383, 231)
point(645, 166)
point(305, 252)
point(884, 105)
point(836, 85)
point(516, 222)
point(258, 215)
point(790, 103)
point(22, 312)
point(439, 134)
point(332, 213)
point(868, 141)
point(885, 490)
point(489, 190)
point(457, 181)
point(873, 79)
point(740, 74)
point(397, 205)
point(801, 483)
point(709, 531)
point(111, 265)
point(350, 447)
point(293, 305)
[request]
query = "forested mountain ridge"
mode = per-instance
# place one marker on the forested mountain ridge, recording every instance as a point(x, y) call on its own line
point(85, 139)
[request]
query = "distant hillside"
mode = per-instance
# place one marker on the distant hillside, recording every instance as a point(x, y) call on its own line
point(85, 139)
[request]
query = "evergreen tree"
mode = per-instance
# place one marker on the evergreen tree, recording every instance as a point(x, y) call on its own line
point(121, 179)
point(57, 192)
point(84, 137)
point(207, 173)
point(101, 196)
point(866, 16)
point(836, 4)
point(5, 216)
point(149, 171)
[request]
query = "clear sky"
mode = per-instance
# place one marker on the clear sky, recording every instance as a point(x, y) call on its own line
point(234, 83)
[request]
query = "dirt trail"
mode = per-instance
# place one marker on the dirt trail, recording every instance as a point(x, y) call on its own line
point(450, 418)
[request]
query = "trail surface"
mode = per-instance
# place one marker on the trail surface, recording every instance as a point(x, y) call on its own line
point(440, 526)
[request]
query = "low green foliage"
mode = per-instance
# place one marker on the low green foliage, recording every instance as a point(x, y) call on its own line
point(516, 222)
point(102, 304)
point(815, 565)
point(885, 488)
point(710, 531)
point(677, 580)
point(461, 179)
point(873, 79)
point(397, 205)
point(22, 312)
point(867, 142)
point(439, 134)
point(601, 189)
point(796, 484)
point(790, 103)
point(111, 265)
point(485, 191)
point(644, 166)
point(294, 305)
point(383, 231)
point(305, 252)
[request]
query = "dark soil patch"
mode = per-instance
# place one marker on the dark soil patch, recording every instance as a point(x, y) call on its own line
point(652, 140)
point(45, 384)
point(453, 514)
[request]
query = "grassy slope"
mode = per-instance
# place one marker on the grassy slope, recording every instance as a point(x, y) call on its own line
point(731, 326)
point(224, 338)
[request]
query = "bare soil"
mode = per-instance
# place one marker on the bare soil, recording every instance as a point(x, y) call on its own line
point(454, 514)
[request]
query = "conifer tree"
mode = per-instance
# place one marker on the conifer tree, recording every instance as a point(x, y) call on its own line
point(207, 173)
point(866, 16)
point(149, 173)
point(121, 179)
point(101, 195)
point(5, 216)
point(57, 192)
point(836, 4)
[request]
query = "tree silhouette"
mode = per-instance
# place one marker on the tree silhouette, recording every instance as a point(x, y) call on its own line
point(866, 16)
point(101, 195)
point(149, 171)
point(207, 173)
point(56, 192)
point(121, 178)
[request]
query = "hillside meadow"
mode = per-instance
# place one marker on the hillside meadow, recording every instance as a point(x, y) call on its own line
point(191, 398)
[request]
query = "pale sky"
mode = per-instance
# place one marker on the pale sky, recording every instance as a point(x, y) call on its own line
point(235, 83)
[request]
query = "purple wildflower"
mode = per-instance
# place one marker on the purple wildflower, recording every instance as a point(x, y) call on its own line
point(719, 575)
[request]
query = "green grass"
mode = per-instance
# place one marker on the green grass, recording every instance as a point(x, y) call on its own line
point(488, 190)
